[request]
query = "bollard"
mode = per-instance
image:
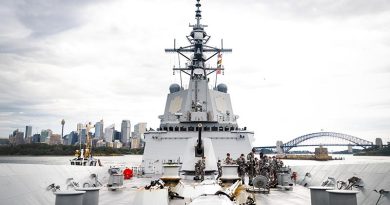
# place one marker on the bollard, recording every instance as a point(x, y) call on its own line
point(319, 196)
point(91, 196)
point(342, 197)
point(229, 172)
point(69, 197)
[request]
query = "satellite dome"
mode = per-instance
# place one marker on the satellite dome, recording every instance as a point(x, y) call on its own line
point(174, 88)
point(222, 88)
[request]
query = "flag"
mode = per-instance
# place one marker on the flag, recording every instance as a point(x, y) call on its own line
point(219, 63)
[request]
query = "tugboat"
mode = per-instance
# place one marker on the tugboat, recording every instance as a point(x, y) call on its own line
point(83, 157)
point(198, 121)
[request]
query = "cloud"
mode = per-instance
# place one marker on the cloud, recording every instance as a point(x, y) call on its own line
point(328, 8)
point(297, 66)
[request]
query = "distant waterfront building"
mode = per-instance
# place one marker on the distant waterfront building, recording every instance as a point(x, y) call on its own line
point(109, 133)
point(36, 138)
point(135, 142)
point(55, 139)
point(79, 127)
point(28, 132)
point(45, 135)
point(73, 138)
point(83, 135)
point(117, 135)
point(17, 137)
point(125, 131)
point(28, 140)
point(66, 140)
point(99, 130)
point(117, 144)
point(110, 144)
point(140, 129)
point(100, 143)
point(4, 142)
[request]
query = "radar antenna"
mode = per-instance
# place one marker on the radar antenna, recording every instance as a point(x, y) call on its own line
point(198, 39)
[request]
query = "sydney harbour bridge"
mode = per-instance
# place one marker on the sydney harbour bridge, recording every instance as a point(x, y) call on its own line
point(319, 139)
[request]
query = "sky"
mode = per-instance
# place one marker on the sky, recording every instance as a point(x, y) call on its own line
point(297, 66)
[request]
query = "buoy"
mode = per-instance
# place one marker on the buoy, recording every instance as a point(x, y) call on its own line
point(127, 173)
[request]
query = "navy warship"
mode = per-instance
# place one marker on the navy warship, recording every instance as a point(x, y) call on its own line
point(198, 121)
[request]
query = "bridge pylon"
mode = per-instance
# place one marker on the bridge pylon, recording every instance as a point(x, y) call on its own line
point(279, 147)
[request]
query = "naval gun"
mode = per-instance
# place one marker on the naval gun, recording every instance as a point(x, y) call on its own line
point(199, 148)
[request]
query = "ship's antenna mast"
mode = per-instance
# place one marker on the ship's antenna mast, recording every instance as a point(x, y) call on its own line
point(198, 39)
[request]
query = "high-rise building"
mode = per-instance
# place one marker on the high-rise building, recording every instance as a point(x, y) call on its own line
point(117, 135)
point(140, 129)
point(73, 138)
point(79, 127)
point(109, 133)
point(83, 135)
point(99, 130)
point(17, 137)
point(28, 132)
point(55, 139)
point(125, 131)
point(45, 135)
point(36, 138)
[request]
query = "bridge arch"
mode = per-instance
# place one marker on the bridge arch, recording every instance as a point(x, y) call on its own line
point(355, 140)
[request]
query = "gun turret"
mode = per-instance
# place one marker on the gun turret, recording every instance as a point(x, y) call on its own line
point(199, 149)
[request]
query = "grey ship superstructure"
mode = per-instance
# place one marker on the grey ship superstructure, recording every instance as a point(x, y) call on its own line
point(198, 121)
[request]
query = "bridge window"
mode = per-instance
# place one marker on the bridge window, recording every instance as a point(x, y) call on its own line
point(206, 128)
point(176, 128)
point(182, 129)
point(226, 128)
point(165, 128)
point(170, 128)
point(214, 128)
point(231, 128)
point(220, 128)
point(191, 129)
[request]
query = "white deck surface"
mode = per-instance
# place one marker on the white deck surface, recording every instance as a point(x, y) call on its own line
point(299, 195)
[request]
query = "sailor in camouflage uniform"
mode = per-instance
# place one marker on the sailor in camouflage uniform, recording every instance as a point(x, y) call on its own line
point(228, 159)
point(241, 167)
point(251, 165)
point(219, 165)
point(202, 167)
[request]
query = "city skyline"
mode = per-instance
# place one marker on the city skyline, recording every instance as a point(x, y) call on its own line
point(297, 67)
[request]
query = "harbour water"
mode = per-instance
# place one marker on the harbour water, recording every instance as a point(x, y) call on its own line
point(135, 160)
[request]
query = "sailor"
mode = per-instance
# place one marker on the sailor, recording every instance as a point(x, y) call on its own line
point(77, 154)
point(257, 166)
point(219, 169)
point(202, 167)
point(197, 170)
point(251, 165)
point(228, 159)
point(241, 167)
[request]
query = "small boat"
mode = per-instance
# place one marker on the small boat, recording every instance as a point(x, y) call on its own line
point(83, 157)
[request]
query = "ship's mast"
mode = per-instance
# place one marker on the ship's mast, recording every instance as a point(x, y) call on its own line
point(198, 39)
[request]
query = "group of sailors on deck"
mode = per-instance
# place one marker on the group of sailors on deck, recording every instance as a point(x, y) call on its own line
point(250, 166)
point(253, 166)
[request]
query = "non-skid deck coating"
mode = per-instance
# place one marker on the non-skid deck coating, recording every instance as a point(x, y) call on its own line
point(22, 184)
point(298, 196)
